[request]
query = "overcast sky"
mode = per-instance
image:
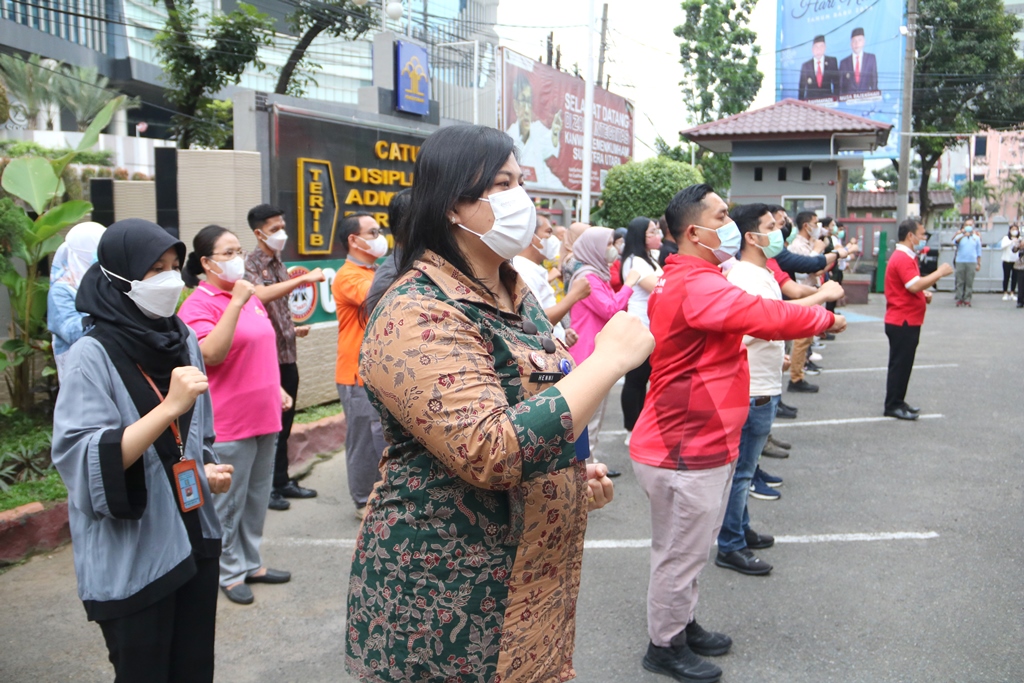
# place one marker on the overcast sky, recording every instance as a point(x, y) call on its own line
point(643, 53)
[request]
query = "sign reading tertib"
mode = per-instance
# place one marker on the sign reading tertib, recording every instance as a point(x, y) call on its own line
point(317, 206)
point(412, 78)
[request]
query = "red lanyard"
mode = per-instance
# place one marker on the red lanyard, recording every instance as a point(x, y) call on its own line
point(175, 429)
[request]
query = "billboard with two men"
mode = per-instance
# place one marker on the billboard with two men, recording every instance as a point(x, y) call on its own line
point(846, 55)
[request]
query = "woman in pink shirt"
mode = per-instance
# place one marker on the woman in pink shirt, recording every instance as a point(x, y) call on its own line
point(595, 250)
point(239, 348)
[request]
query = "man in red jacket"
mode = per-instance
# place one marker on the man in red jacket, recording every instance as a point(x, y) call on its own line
point(686, 441)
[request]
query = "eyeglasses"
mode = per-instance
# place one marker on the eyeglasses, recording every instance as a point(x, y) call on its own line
point(230, 253)
point(374, 234)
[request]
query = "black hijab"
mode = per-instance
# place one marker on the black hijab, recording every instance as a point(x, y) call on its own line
point(129, 248)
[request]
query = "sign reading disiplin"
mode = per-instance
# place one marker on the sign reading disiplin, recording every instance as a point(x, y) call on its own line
point(846, 55)
point(543, 108)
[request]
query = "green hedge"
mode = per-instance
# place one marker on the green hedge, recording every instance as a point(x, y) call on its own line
point(50, 488)
point(644, 188)
point(21, 148)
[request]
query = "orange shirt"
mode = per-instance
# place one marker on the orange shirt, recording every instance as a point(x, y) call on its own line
point(351, 284)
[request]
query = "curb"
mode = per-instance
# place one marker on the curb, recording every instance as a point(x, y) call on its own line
point(309, 441)
point(31, 529)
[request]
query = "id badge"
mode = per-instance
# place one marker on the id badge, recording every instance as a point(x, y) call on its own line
point(186, 477)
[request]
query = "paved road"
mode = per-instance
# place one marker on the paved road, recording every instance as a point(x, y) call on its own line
point(948, 607)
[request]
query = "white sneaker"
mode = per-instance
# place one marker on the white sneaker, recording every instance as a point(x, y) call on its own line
point(628, 434)
point(814, 357)
point(1006, 297)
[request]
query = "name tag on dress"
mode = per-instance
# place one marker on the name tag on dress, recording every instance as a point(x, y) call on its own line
point(545, 377)
point(186, 478)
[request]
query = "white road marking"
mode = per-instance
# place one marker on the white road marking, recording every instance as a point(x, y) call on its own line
point(848, 421)
point(614, 432)
point(916, 367)
point(604, 544)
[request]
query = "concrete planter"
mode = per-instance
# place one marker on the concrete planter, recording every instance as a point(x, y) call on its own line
point(31, 529)
point(308, 441)
point(856, 288)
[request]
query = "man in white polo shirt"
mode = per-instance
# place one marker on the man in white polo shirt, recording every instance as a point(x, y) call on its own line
point(530, 266)
point(762, 239)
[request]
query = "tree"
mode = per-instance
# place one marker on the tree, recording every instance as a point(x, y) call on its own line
point(887, 177)
point(855, 181)
point(644, 188)
point(198, 65)
point(336, 18)
point(1013, 189)
point(969, 76)
point(716, 168)
point(83, 92)
point(973, 190)
point(720, 57)
point(29, 85)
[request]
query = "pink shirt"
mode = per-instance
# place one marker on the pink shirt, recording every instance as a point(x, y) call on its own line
point(246, 387)
point(590, 315)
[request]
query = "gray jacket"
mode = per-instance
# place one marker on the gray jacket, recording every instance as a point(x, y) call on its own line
point(131, 546)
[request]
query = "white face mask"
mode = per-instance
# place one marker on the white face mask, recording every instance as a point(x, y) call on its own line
point(1014, 233)
point(515, 219)
point(156, 297)
point(610, 254)
point(549, 247)
point(376, 247)
point(230, 271)
point(277, 240)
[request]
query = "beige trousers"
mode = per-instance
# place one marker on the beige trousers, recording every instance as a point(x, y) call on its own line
point(687, 507)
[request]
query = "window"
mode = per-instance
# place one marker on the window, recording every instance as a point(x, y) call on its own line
point(807, 173)
point(758, 174)
point(782, 174)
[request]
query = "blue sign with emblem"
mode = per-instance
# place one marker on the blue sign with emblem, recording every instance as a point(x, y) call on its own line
point(412, 78)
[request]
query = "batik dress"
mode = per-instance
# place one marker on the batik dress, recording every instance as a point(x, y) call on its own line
point(467, 566)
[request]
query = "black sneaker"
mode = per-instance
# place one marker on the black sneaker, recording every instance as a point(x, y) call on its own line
point(756, 541)
point(680, 662)
point(277, 501)
point(812, 368)
point(786, 412)
point(772, 451)
point(706, 643)
point(778, 442)
point(743, 561)
point(802, 387)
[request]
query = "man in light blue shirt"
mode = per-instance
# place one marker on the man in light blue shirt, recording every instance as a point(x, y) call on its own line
point(967, 260)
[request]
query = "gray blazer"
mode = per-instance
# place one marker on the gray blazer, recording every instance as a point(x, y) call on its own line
point(131, 546)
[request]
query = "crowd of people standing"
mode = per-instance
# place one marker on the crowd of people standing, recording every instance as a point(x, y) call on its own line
point(474, 364)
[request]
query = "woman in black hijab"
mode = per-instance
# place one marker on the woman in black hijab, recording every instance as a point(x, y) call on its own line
point(132, 437)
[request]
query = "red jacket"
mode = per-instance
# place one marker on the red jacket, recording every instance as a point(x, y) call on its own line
point(700, 381)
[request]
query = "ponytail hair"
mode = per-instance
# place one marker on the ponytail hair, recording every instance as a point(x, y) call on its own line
point(202, 246)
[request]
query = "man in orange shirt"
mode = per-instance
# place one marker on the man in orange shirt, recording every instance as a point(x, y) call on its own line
point(364, 439)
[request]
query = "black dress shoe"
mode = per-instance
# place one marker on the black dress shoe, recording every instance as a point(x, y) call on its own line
point(271, 576)
point(772, 451)
point(293, 490)
point(915, 411)
point(277, 501)
point(778, 442)
point(744, 562)
point(240, 594)
point(803, 387)
point(901, 413)
point(706, 643)
point(756, 541)
point(786, 412)
point(680, 662)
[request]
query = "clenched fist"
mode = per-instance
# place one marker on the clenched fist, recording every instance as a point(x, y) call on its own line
point(242, 292)
point(187, 383)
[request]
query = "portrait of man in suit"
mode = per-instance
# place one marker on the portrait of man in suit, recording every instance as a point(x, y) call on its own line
point(858, 73)
point(819, 76)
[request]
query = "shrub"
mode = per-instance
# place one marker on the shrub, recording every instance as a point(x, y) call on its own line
point(120, 174)
point(140, 176)
point(644, 188)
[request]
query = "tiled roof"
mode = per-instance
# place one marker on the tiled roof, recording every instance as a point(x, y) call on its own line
point(858, 199)
point(786, 116)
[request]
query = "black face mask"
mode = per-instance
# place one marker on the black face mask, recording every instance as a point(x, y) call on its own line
point(786, 229)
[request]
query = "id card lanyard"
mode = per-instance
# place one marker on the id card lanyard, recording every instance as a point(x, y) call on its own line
point(186, 474)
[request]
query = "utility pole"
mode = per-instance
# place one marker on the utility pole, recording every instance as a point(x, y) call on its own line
point(906, 123)
point(588, 118)
point(604, 44)
point(551, 46)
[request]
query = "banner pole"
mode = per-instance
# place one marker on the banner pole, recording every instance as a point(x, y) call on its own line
point(588, 117)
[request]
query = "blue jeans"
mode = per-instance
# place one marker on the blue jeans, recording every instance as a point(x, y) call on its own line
point(752, 441)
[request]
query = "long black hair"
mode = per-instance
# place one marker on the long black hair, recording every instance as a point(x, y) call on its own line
point(457, 163)
point(202, 246)
point(636, 241)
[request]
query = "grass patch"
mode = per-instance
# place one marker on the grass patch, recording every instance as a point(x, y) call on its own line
point(49, 488)
point(315, 413)
point(18, 430)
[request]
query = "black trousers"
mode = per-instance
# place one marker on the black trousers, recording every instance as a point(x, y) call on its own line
point(903, 341)
point(170, 641)
point(1020, 287)
point(1009, 276)
point(836, 275)
point(290, 383)
point(634, 391)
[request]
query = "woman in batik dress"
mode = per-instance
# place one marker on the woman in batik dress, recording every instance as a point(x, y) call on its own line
point(467, 566)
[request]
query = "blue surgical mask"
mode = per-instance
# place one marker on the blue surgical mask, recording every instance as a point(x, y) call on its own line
point(842, 234)
point(729, 235)
point(775, 244)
